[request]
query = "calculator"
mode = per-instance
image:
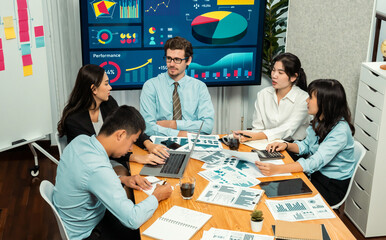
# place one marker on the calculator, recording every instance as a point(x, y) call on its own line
point(265, 155)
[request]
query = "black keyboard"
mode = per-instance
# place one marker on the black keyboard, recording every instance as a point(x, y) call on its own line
point(173, 163)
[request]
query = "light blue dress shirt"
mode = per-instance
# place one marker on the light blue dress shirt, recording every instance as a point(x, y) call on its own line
point(334, 157)
point(157, 104)
point(86, 185)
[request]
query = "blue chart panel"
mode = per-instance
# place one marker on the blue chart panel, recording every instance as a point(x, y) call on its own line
point(115, 37)
point(237, 65)
point(226, 36)
point(129, 68)
point(114, 11)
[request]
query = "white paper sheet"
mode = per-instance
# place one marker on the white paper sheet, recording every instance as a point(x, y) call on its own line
point(229, 175)
point(216, 233)
point(299, 209)
point(231, 196)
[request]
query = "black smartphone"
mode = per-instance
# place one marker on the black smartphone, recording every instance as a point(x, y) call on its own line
point(170, 144)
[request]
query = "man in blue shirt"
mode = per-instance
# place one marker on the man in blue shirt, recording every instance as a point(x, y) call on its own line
point(86, 184)
point(173, 103)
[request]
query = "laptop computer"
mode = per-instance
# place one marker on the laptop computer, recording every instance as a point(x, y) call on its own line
point(174, 166)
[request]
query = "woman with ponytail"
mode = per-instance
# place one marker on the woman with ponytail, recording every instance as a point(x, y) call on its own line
point(281, 110)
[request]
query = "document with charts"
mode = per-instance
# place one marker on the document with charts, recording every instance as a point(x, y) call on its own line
point(226, 158)
point(299, 209)
point(177, 223)
point(205, 142)
point(182, 141)
point(229, 175)
point(231, 196)
point(216, 233)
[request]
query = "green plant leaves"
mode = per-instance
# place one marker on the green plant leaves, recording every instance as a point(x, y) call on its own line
point(274, 27)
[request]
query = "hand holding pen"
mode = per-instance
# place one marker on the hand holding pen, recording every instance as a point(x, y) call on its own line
point(241, 136)
point(163, 191)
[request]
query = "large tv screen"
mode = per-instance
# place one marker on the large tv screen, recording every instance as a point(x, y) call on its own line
point(126, 37)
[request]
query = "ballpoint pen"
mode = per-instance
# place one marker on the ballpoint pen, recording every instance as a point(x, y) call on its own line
point(247, 136)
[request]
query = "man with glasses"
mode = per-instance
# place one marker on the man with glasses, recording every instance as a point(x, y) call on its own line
point(173, 103)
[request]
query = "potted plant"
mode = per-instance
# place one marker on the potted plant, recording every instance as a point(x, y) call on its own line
point(275, 26)
point(257, 220)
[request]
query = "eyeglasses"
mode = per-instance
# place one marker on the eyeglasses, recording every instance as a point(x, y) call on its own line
point(176, 60)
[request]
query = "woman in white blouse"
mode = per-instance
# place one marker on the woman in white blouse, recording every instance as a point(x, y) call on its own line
point(281, 110)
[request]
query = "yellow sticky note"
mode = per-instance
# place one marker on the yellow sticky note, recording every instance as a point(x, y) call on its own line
point(8, 22)
point(9, 33)
point(27, 70)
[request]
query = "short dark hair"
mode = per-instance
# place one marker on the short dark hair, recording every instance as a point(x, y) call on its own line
point(179, 43)
point(125, 117)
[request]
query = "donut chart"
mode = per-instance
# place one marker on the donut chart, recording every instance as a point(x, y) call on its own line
point(105, 36)
point(219, 27)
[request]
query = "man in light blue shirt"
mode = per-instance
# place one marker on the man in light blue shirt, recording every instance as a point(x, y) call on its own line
point(158, 105)
point(86, 184)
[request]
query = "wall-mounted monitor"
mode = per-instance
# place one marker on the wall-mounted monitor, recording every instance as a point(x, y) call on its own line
point(126, 37)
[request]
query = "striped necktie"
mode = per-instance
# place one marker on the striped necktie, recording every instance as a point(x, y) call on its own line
point(177, 115)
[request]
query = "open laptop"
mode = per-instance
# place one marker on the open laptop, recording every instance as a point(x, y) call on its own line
point(174, 166)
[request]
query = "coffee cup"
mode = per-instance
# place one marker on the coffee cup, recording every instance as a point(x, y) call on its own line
point(187, 185)
point(234, 144)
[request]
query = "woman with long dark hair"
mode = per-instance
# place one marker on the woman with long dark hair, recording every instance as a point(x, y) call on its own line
point(89, 103)
point(280, 110)
point(329, 142)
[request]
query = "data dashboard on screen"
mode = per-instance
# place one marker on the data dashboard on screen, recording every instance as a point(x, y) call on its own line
point(126, 38)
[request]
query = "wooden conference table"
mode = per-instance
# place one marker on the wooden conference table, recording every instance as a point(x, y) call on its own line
point(225, 217)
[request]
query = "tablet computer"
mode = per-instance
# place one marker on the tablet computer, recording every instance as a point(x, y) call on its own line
point(287, 187)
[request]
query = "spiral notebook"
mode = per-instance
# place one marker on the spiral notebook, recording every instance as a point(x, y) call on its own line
point(177, 223)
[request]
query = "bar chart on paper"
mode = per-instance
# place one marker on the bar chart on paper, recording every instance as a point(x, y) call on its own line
point(299, 209)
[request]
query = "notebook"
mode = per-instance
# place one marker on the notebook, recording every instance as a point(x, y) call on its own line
point(177, 223)
point(300, 231)
point(174, 166)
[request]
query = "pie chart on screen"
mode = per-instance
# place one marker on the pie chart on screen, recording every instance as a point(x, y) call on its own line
point(219, 27)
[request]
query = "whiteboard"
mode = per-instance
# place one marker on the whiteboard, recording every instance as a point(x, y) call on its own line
point(25, 108)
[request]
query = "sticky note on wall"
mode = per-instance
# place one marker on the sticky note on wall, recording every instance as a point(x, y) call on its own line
point(27, 60)
point(27, 70)
point(21, 4)
point(25, 49)
point(2, 64)
point(9, 29)
point(39, 32)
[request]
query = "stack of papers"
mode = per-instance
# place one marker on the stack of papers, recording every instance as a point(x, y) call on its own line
point(229, 175)
point(205, 142)
point(216, 233)
point(231, 196)
point(242, 161)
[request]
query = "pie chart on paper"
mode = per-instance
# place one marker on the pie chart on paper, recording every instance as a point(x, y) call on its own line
point(219, 27)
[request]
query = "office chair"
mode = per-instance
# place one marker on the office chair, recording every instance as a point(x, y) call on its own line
point(359, 153)
point(62, 142)
point(46, 189)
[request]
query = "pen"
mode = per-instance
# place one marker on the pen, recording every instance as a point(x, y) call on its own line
point(247, 136)
point(156, 182)
point(164, 182)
